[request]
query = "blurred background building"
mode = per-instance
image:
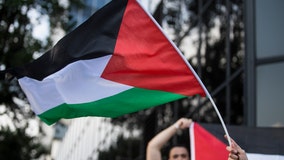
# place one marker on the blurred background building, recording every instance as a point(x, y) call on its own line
point(263, 62)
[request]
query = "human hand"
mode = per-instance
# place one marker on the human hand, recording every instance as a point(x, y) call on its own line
point(183, 123)
point(235, 151)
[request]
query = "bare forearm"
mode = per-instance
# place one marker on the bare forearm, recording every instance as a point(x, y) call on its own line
point(155, 145)
point(159, 140)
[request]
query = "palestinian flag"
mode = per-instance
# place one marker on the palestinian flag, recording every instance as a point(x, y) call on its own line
point(117, 62)
point(208, 142)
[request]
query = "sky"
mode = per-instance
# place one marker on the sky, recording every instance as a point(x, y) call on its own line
point(41, 26)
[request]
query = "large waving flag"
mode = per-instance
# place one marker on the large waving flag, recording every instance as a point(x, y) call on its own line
point(208, 142)
point(117, 62)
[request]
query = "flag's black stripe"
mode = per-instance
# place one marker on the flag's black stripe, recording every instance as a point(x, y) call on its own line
point(94, 38)
point(252, 139)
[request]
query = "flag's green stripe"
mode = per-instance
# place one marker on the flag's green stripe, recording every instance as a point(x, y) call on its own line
point(128, 101)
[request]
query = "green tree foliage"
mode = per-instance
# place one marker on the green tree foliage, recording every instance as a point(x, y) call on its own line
point(18, 46)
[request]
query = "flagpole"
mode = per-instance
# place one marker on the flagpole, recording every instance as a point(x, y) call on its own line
point(194, 73)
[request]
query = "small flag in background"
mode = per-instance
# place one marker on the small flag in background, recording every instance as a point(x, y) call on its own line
point(206, 146)
point(208, 142)
point(117, 62)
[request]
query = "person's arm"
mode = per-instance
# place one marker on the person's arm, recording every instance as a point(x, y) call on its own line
point(156, 143)
point(235, 151)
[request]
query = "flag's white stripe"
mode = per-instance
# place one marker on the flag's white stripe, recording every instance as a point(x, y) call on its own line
point(258, 156)
point(78, 82)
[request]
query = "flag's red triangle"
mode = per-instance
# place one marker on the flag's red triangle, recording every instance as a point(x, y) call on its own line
point(206, 146)
point(145, 58)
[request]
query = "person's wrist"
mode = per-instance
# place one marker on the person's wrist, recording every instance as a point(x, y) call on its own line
point(177, 127)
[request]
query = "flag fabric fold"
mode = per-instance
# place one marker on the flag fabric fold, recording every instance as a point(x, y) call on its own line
point(117, 62)
point(208, 142)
